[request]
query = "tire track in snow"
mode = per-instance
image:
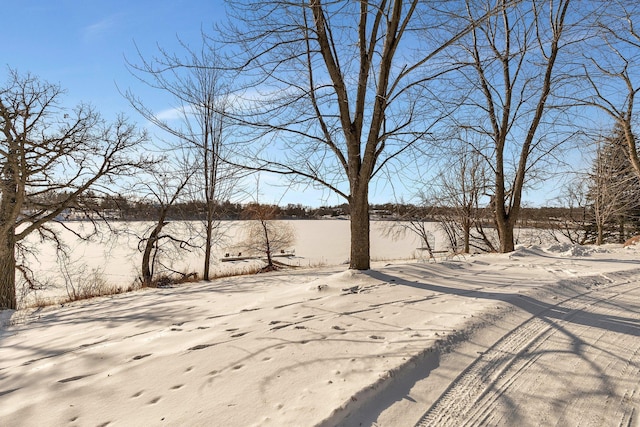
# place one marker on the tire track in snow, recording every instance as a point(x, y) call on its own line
point(475, 393)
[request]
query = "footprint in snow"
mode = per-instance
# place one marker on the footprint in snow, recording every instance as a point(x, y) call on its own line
point(141, 356)
point(71, 379)
point(199, 347)
point(275, 328)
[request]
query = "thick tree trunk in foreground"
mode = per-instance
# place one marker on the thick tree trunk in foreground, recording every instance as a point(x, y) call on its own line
point(505, 231)
point(467, 235)
point(7, 271)
point(360, 245)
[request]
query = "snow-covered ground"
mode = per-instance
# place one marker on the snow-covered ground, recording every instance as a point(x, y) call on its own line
point(478, 338)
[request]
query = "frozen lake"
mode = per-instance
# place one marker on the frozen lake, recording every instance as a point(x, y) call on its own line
point(117, 259)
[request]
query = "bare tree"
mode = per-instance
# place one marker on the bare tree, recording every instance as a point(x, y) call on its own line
point(614, 186)
point(513, 58)
point(265, 235)
point(416, 220)
point(610, 70)
point(336, 91)
point(49, 158)
point(200, 93)
point(577, 223)
point(462, 186)
point(163, 188)
point(454, 201)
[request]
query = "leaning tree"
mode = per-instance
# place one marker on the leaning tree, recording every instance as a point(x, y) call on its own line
point(49, 158)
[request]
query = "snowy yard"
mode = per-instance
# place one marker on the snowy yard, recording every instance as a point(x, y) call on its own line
point(396, 345)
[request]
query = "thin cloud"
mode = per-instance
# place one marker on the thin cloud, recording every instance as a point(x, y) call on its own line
point(99, 29)
point(175, 113)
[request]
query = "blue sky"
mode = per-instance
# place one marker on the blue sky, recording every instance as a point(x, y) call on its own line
point(82, 45)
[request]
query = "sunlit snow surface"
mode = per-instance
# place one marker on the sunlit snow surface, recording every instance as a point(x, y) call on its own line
point(291, 348)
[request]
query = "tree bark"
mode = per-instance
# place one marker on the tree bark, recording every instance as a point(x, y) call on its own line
point(147, 270)
point(207, 250)
point(600, 235)
point(505, 232)
point(467, 234)
point(10, 202)
point(360, 245)
point(267, 242)
point(8, 270)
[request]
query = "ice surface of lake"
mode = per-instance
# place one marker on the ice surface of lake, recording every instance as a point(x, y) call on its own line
point(318, 242)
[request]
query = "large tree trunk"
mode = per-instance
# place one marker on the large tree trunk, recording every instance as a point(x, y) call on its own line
point(8, 270)
point(360, 246)
point(146, 260)
point(10, 203)
point(505, 231)
point(600, 233)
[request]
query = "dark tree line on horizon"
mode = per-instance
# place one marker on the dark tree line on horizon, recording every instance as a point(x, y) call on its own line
point(120, 208)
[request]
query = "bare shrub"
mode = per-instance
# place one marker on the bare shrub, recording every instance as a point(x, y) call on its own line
point(84, 283)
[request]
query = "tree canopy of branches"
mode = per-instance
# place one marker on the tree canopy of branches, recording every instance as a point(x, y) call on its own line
point(615, 187)
point(338, 90)
point(49, 158)
point(512, 73)
point(610, 71)
point(163, 187)
point(199, 89)
point(264, 235)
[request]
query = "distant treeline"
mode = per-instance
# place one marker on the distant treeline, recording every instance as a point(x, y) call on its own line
point(126, 209)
